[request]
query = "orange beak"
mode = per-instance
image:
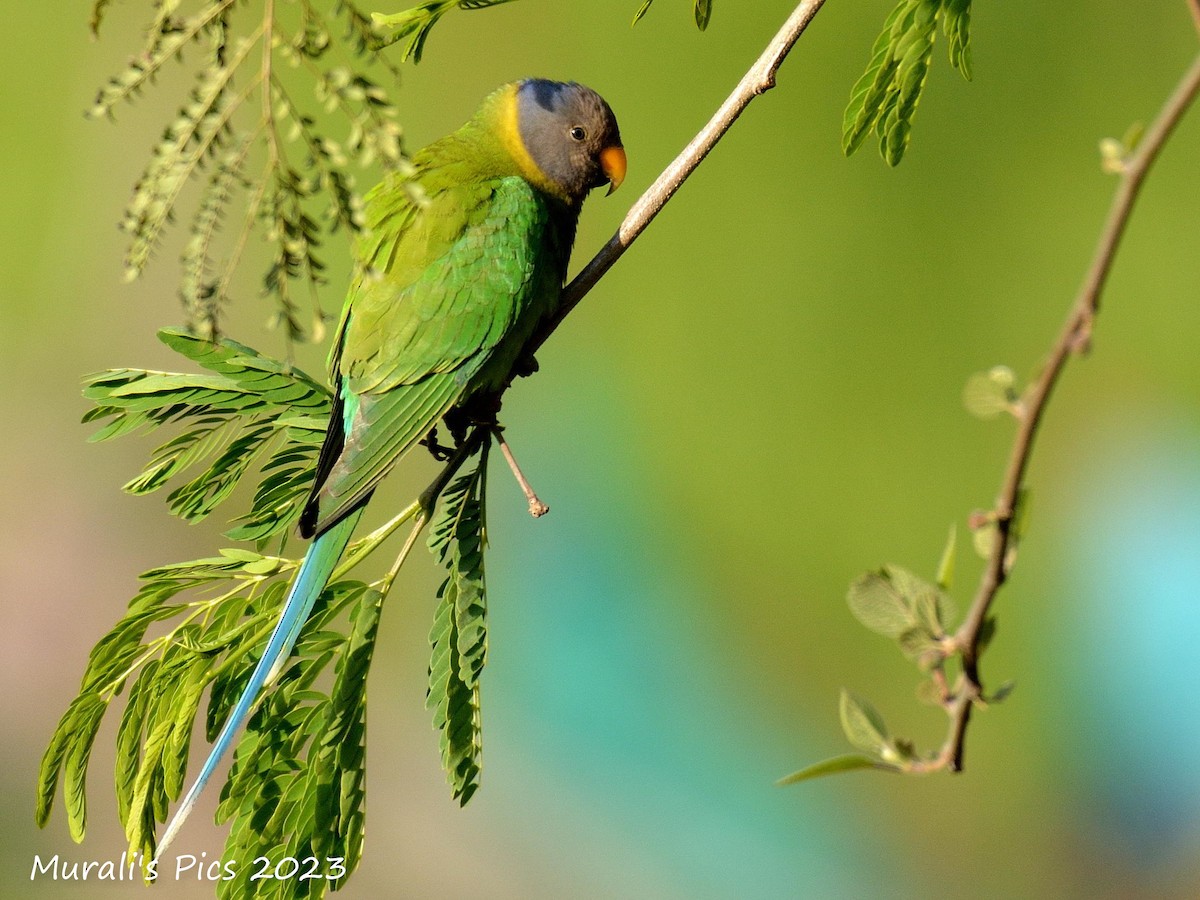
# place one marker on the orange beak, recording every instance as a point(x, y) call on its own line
point(612, 162)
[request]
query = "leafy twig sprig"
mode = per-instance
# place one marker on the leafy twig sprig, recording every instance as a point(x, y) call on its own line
point(297, 780)
point(898, 604)
point(884, 100)
point(232, 136)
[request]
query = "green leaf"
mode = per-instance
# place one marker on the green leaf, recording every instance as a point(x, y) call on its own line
point(879, 605)
point(702, 11)
point(249, 407)
point(957, 25)
point(835, 766)
point(1002, 693)
point(199, 288)
point(988, 394)
point(1114, 156)
point(280, 495)
point(419, 21)
point(198, 172)
point(68, 753)
point(930, 692)
point(863, 725)
point(99, 7)
point(905, 750)
point(945, 571)
point(1021, 513)
point(139, 827)
point(344, 743)
point(909, 585)
point(983, 538)
point(893, 602)
point(1133, 136)
point(169, 674)
point(191, 139)
point(919, 644)
point(986, 533)
point(189, 685)
point(275, 383)
point(174, 456)
point(867, 96)
point(884, 100)
point(195, 499)
point(167, 40)
point(930, 607)
point(987, 631)
point(1017, 527)
point(458, 639)
point(129, 737)
point(297, 786)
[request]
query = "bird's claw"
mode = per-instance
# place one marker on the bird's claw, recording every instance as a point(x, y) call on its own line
point(527, 365)
point(437, 450)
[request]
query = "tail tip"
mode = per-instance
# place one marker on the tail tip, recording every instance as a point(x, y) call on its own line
point(307, 526)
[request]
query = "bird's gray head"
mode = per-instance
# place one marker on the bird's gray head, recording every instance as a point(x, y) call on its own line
point(571, 135)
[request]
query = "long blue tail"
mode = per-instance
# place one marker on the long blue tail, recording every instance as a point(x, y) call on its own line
point(323, 555)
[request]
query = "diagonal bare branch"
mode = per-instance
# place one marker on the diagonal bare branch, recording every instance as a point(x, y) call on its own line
point(1073, 339)
point(759, 79)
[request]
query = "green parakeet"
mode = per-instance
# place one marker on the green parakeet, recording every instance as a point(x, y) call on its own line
point(459, 264)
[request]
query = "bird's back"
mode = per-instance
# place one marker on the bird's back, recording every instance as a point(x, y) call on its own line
point(459, 263)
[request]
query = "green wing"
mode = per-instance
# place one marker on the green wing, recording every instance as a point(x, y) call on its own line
point(450, 291)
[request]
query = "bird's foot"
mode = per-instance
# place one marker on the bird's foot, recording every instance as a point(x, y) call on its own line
point(480, 411)
point(437, 450)
point(526, 366)
point(457, 422)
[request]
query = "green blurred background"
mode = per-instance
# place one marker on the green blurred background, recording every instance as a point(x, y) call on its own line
point(760, 401)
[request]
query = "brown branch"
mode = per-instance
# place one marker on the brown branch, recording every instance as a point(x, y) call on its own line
point(1073, 339)
point(537, 508)
point(1194, 6)
point(758, 80)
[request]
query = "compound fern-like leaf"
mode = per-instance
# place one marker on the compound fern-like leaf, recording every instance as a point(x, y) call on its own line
point(457, 539)
point(884, 100)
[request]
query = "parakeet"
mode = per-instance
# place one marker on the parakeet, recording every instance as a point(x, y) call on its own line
point(460, 261)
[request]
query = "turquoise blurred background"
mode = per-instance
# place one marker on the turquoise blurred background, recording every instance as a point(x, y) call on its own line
point(760, 401)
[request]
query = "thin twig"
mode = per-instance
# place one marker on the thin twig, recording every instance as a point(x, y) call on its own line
point(1194, 6)
point(758, 80)
point(365, 546)
point(268, 114)
point(537, 508)
point(1074, 338)
point(409, 543)
point(421, 508)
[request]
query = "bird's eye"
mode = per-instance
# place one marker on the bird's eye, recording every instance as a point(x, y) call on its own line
point(578, 133)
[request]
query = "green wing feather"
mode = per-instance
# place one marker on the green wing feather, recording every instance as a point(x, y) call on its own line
point(450, 292)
